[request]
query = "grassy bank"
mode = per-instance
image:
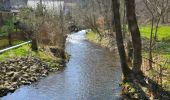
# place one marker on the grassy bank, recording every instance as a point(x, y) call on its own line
point(22, 66)
point(106, 42)
point(26, 51)
point(161, 53)
point(162, 47)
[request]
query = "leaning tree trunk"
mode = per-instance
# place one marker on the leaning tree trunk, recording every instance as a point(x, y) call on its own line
point(119, 37)
point(135, 33)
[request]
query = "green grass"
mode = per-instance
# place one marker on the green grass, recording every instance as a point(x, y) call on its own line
point(163, 48)
point(25, 51)
point(18, 52)
point(163, 32)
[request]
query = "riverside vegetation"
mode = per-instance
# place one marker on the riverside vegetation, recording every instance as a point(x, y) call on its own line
point(31, 62)
point(22, 66)
point(162, 49)
point(143, 47)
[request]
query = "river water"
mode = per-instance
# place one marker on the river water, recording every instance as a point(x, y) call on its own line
point(93, 73)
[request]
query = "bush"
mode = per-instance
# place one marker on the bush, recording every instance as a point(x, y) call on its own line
point(8, 26)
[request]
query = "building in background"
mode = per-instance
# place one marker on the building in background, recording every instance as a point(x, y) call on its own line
point(16, 4)
point(5, 5)
point(10, 5)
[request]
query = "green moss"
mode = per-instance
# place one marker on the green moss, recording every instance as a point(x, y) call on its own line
point(49, 59)
point(91, 36)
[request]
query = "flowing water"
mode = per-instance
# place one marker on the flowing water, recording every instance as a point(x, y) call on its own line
point(93, 73)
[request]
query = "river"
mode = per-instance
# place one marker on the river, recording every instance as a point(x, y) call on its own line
point(93, 73)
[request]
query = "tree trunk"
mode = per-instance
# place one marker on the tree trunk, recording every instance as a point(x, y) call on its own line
point(163, 19)
point(9, 39)
point(34, 45)
point(135, 33)
point(167, 17)
point(41, 8)
point(1, 20)
point(119, 37)
point(41, 3)
point(62, 31)
point(150, 44)
point(156, 29)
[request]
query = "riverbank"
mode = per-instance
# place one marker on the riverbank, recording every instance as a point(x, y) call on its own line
point(106, 41)
point(158, 76)
point(92, 73)
point(22, 66)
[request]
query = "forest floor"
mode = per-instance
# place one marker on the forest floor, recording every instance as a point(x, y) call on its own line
point(161, 57)
point(22, 66)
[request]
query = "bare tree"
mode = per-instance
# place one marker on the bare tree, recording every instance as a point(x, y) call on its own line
point(157, 9)
point(91, 12)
